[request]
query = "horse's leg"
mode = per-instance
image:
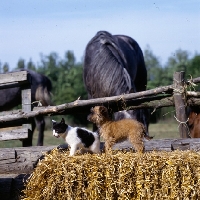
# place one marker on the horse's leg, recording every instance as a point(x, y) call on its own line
point(40, 126)
point(28, 141)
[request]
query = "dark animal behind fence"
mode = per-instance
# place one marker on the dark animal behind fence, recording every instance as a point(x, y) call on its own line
point(40, 92)
point(194, 121)
point(114, 65)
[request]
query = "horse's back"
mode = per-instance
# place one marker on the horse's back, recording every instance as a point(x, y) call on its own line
point(113, 65)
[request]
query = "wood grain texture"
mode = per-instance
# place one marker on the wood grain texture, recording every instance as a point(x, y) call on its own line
point(16, 164)
point(14, 77)
point(24, 159)
point(14, 134)
point(180, 103)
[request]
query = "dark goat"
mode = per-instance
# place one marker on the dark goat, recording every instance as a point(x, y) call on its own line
point(40, 91)
point(114, 65)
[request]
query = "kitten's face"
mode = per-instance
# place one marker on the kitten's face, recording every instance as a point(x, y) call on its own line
point(59, 127)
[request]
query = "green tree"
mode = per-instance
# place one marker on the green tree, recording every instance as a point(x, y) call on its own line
point(5, 68)
point(193, 69)
point(154, 69)
point(66, 77)
point(31, 66)
point(177, 62)
point(21, 64)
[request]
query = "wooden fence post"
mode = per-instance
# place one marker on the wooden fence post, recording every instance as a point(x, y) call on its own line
point(26, 107)
point(180, 103)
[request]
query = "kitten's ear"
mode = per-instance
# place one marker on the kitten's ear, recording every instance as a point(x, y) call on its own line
point(62, 121)
point(53, 121)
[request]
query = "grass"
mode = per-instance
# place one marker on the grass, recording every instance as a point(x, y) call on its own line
point(164, 129)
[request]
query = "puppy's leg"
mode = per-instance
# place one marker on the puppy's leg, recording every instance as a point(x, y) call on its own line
point(109, 142)
point(136, 138)
point(73, 149)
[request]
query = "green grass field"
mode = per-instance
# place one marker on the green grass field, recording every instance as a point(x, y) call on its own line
point(159, 131)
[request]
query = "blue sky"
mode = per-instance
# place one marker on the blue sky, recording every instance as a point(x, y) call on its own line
point(33, 27)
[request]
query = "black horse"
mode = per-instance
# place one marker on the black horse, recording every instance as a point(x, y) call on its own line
point(114, 65)
point(40, 91)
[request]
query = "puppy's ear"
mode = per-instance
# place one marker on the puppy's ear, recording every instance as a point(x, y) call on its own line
point(62, 121)
point(103, 109)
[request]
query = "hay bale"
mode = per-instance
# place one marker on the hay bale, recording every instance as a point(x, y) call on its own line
point(117, 175)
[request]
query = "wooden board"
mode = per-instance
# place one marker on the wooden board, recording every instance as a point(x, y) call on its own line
point(24, 159)
point(21, 159)
point(13, 77)
point(16, 164)
point(14, 134)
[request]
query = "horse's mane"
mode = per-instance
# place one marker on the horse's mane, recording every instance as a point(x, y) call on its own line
point(113, 80)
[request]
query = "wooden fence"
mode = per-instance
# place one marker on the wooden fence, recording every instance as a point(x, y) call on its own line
point(16, 163)
point(20, 79)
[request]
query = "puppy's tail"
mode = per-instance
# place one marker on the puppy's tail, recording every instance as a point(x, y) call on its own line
point(148, 137)
point(145, 134)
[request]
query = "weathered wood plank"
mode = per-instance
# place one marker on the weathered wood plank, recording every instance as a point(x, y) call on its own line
point(21, 159)
point(14, 77)
point(15, 112)
point(195, 146)
point(26, 157)
point(7, 156)
point(183, 144)
point(153, 145)
point(26, 108)
point(14, 134)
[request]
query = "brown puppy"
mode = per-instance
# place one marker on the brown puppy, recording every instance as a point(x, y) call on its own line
point(117, 131)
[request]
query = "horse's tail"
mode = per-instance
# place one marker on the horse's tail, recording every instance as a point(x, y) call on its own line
point(43, 93)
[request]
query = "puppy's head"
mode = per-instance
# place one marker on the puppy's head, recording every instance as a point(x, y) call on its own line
point(59, 127)
point(99, 114)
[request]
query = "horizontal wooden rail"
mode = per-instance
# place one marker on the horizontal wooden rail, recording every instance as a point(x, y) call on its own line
point(24, 159)
point(195, 80)
point(83, 106)
point(14, 134)
point(14, 79)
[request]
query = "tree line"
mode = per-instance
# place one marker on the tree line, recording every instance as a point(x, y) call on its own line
point(66, 75)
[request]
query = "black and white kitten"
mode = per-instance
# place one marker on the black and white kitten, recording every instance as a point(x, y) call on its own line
point(77, 137)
